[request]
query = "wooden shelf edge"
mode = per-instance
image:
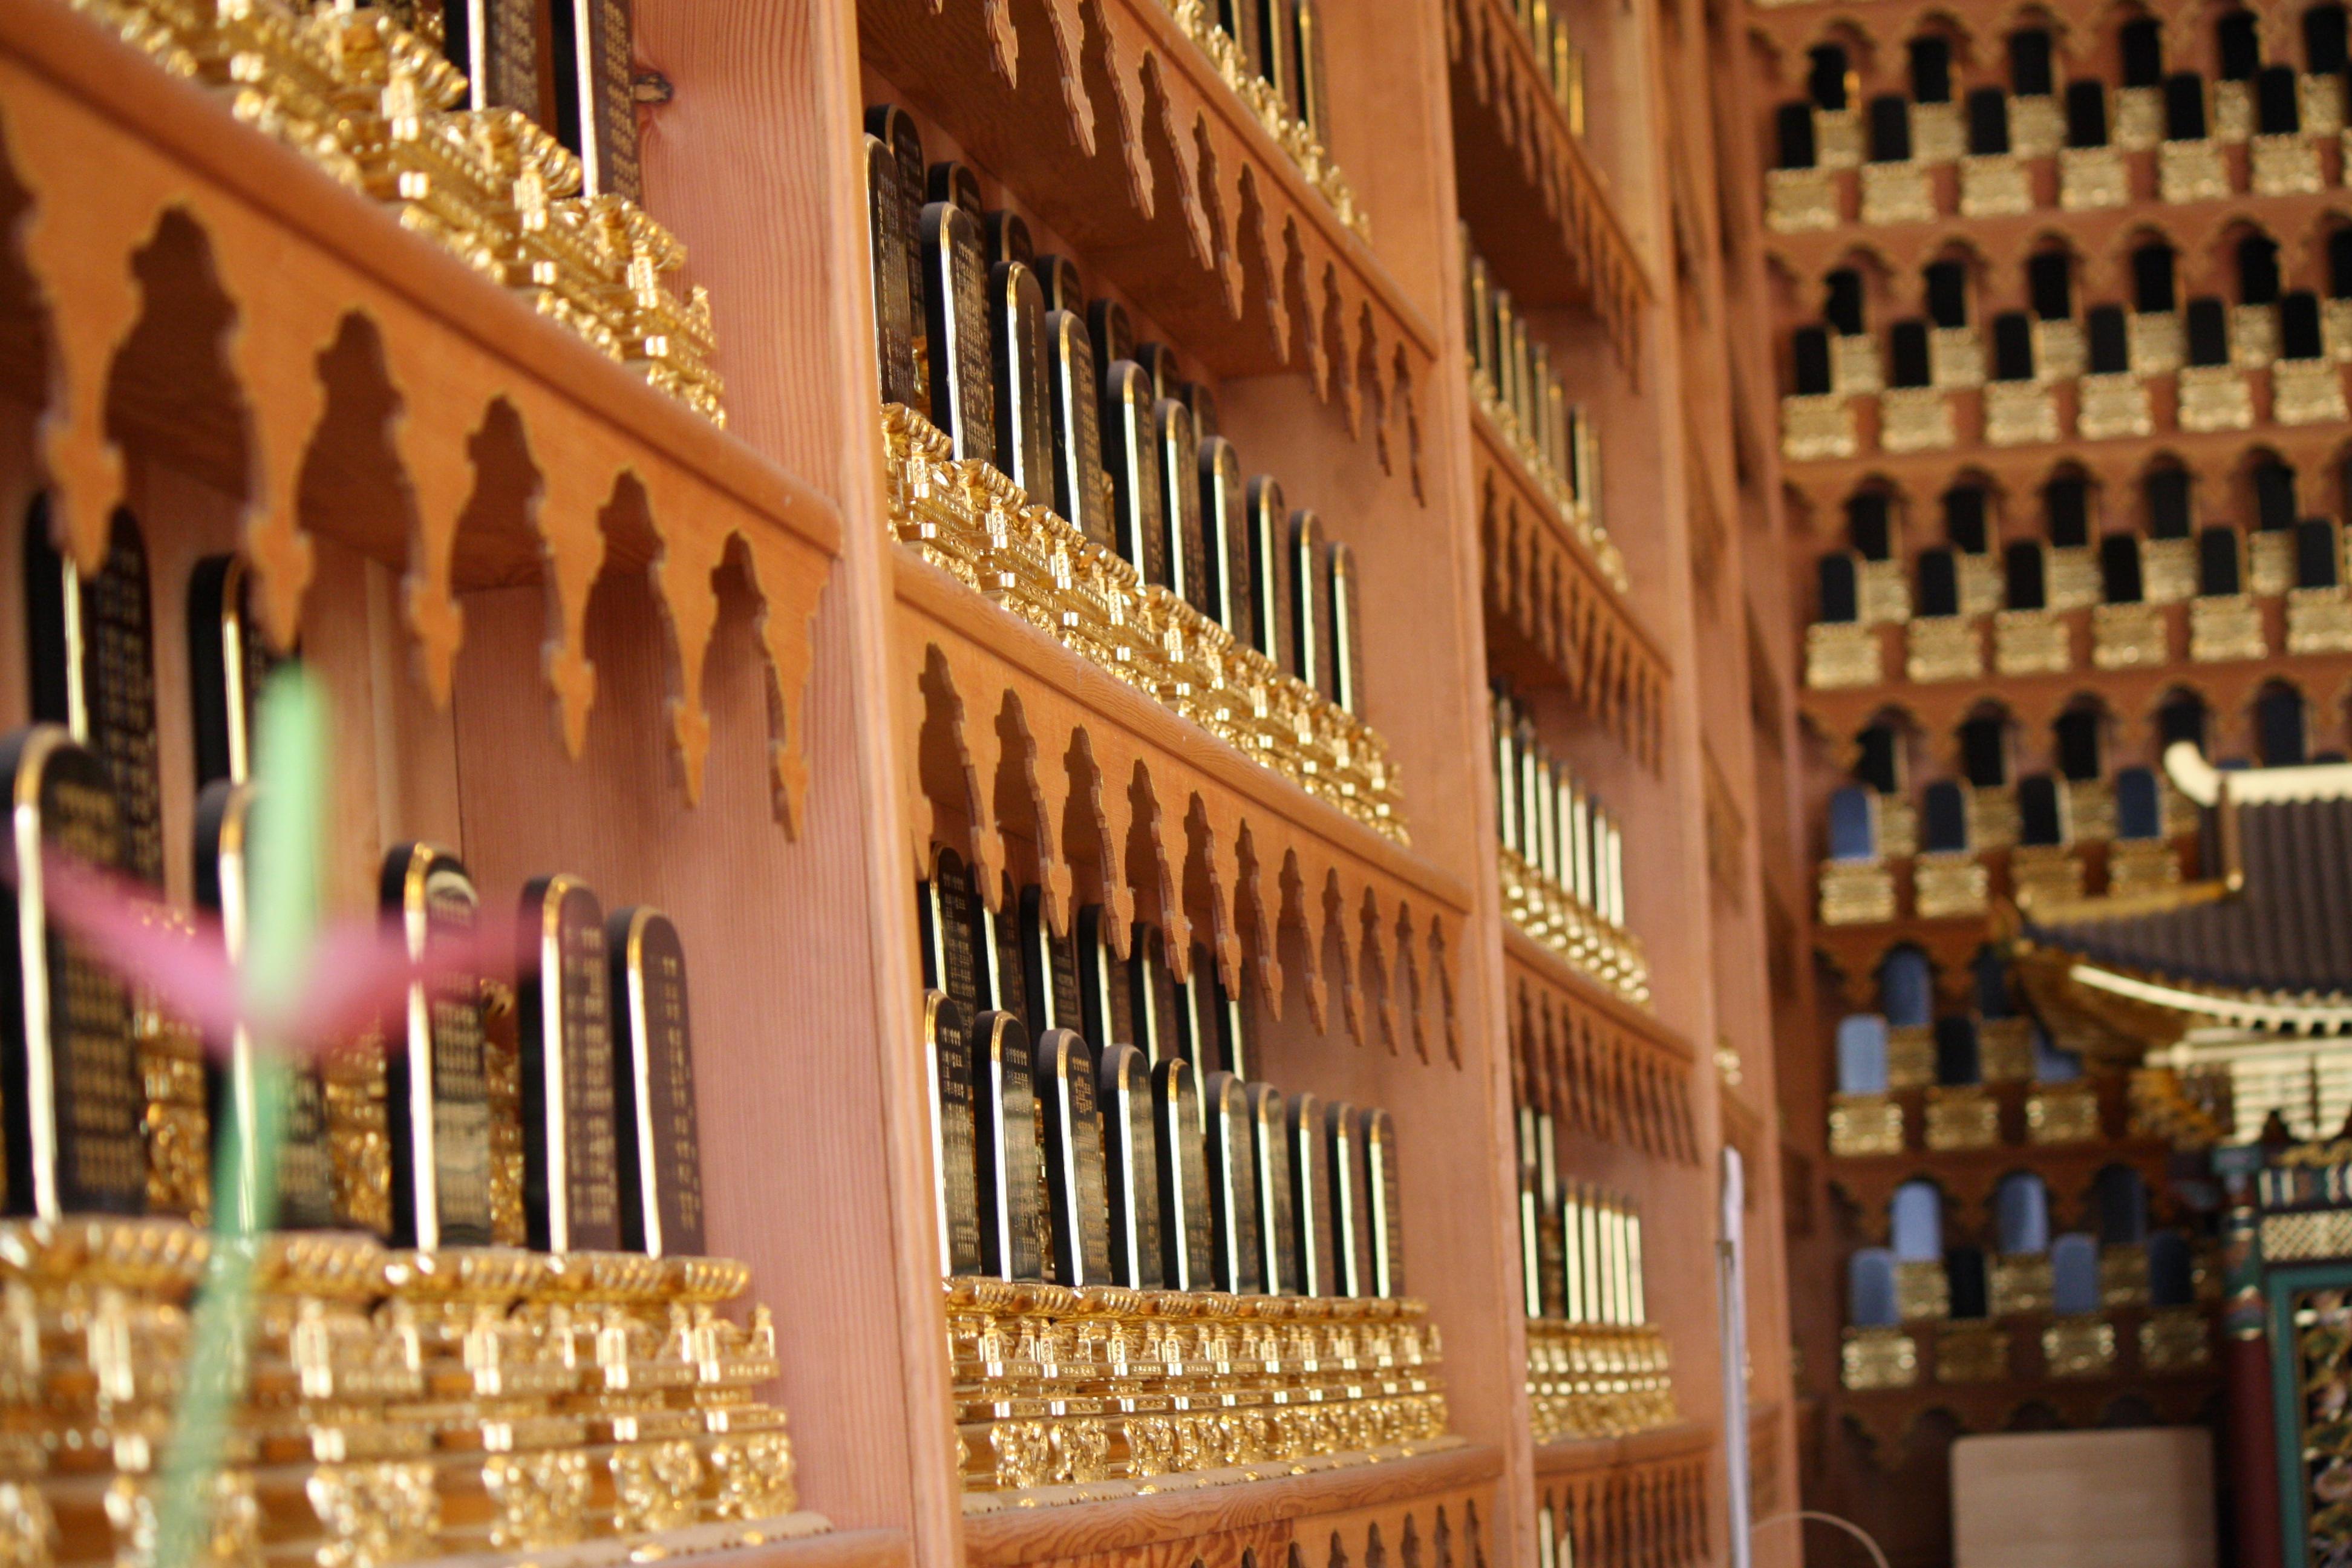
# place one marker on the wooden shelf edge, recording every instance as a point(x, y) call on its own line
point(813, 1544)
point(2009, 238)
point(1842, 709)
point(1554, 970)
point(1024, 1535)
point(1371, 272)
point(1585, 231)
point(838, 1549)
point(2026, 1387)
point(1165, 183)
point(1580, 1455)
point(1576, 623)
point(1588, 178)
point(1506, 457)
point(1911, 1161)
point(934, 593)
point(192, 126)
point(124, 152)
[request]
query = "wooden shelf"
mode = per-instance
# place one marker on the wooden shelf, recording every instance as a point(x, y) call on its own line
point(1240, 853)
point(1968, 1176)
point(1545, 220)
point(1632, 1500)
point(1581, 1456)
point(1886, 1416)
point(842, 1549)
point(1552, 614)
point(577, 460)
point(1141, 155)
point(1364, 1507)
point(1605, 1069)
point(838, 1549)
point(2100, 235)
point(2036, 700)
point(1549, 969)
point(829, 1549)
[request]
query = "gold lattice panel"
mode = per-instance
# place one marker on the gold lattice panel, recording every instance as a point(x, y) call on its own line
point(2304, 1237)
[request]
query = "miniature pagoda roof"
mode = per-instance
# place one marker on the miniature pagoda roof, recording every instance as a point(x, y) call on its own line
point(2266, 945)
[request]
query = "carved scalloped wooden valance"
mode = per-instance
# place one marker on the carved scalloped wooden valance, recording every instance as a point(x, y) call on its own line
point(1118, 130)
point(109, 148)
point(1047, 769)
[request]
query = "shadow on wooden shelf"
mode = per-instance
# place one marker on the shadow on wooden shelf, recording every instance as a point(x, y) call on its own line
point(1115, 127)
point(1039, 764)
point(845, 1548)
point(1552, 616)
point(1431, 1509)
point(1543, 218)
point(1578, 1455)
point(208, 295)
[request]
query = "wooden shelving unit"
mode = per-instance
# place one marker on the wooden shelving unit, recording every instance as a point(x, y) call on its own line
point(564, 622)
point(1541, 204)
point(1139, 154)
point(1552, 614)
point(1634, 671)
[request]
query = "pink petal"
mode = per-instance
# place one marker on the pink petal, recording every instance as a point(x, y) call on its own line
point(121, 924)
point(360, 973)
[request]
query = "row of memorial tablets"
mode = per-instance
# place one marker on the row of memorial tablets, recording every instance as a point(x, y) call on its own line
point(1016, 963)
point(1557, 59)
point(1518, 368)
point(1061, 1163)
point(1000, 349)
point(1580, 1248)
point(412, 1142)
point(1550, 821)
point(1280, 44)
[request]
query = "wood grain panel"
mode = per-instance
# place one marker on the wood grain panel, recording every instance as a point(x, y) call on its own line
point(1347, 1507)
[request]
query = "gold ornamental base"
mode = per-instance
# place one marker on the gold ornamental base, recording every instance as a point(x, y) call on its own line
point(974, 523)
point(1594, 1380)
point(377, 107)
point(1066, 1395)
point(397, 1404)
point(1574, 930)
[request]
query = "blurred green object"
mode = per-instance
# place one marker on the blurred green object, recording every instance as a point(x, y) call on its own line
point(281, 927)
